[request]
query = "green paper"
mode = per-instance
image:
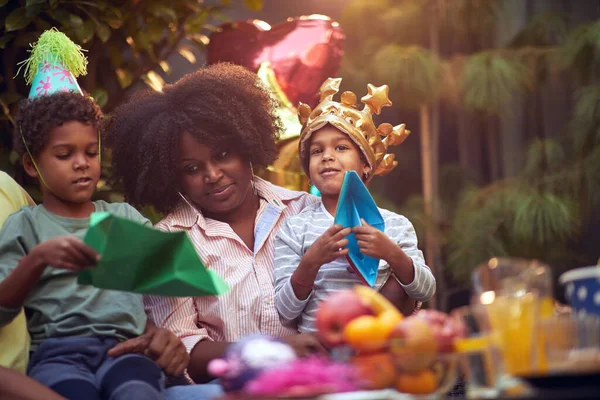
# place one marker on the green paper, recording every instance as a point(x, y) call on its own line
point(140, 259)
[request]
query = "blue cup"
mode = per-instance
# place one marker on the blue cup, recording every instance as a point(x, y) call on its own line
point(582, 289)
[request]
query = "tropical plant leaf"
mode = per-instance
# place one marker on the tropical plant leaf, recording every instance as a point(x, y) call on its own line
point(393, 65)
point(585, 125)
point(490, 80)
point(543, 155)
point(581, 51)
point(17, 19)
point(543, 218)
point(469, 17)
point(545, 29)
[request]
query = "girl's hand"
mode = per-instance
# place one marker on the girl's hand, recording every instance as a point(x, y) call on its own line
point(372, 242)
point(329, 246)
point(65, 252)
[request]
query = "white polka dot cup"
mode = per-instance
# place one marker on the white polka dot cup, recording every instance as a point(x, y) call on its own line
point(582, 290)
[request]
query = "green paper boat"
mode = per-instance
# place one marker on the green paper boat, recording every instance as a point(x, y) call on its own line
point(140, 259)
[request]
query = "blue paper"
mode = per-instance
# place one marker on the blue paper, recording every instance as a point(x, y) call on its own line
point(356, 202)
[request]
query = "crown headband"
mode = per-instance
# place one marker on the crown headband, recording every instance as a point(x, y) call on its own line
point(358, 124)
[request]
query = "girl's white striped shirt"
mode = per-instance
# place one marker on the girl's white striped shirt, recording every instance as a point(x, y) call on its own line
point(300, 231)
point(249, 306)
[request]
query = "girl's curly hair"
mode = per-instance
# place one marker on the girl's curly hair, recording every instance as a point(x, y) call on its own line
point(222, 106)
point(37, 117)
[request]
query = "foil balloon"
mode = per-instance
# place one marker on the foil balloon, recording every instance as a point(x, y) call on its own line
point(302, 52)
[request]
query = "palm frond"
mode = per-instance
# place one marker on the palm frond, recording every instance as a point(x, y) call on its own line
point(544, 218)
point(591, 175)
point(361, 19)
point(543, 155)
point(581, 51)
point(490, 80)
point(468, 17)
point(585, 124)
point(413, 74)
point(544, 30)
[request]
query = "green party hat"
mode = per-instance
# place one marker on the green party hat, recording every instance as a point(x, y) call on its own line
point(54, 64)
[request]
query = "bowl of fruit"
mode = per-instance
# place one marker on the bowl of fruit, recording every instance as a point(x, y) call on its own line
point(412, 354)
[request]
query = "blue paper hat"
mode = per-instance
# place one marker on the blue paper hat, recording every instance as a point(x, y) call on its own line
point(356, 202)
point(54, 64)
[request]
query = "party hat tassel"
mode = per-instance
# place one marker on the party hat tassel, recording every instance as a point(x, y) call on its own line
point(54, 64)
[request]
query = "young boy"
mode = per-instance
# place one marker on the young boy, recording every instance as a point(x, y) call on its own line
point(310, 249)
point(75, 330)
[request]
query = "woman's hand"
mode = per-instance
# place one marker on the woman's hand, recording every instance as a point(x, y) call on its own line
point(159, 344)
point(305, 344)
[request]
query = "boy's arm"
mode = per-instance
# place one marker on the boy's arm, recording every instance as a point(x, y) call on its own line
point(408, 261)
point(293, 279)
point(398, 247)
point(19, 283)
point(65, 252)
point(395, 293)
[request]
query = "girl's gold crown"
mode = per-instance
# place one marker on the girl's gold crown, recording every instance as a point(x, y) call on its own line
point(358, 124)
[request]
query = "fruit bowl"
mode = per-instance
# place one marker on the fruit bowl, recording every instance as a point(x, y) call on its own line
point(388, 368)
point(413, 354)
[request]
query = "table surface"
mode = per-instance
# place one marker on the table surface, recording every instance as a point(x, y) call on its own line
point(554, 394)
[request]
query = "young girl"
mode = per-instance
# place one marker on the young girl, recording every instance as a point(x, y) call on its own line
point(75, 330)
point(309, 249)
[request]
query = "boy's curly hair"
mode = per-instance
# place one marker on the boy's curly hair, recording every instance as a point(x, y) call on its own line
point(223, 106)
point(36, 118)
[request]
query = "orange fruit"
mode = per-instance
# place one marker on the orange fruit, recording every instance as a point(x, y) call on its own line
point(365, 334)
point(422, 382)
point(388, 321)
point(377, 370)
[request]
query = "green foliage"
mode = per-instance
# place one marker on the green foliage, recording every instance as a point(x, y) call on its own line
point(393, 64)
point(581, 52)
point(540, 213)
point(545, 29)
point(585, 126)
point(127, 42)
point(490, 80)
point(469, 17)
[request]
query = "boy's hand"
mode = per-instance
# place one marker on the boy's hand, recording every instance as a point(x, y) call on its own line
point(372, 242)
point(65, 252)
point(329, 246)
point(159, 344)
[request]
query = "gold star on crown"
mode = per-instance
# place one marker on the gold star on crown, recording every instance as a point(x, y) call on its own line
point(358, 124)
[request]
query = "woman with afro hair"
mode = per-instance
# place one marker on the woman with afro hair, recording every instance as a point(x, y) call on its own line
point(189, 151)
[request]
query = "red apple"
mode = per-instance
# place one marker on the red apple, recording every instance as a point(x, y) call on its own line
point(335, 312)
point(445, 329)
point(413, 344)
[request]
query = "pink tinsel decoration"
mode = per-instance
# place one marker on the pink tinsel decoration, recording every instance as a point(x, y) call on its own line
point(305, 377)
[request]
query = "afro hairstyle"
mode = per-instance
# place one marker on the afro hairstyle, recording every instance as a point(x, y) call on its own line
point(37, 117)
point(224, 106)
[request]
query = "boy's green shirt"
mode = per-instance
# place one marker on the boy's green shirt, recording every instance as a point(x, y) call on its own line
point(58, 306)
